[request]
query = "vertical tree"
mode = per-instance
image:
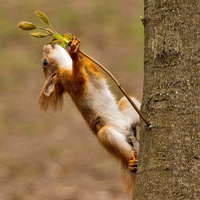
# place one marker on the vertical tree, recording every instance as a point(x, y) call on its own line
point(169, 157)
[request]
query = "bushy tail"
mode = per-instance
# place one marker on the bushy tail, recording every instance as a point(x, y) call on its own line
point(127, 109)
point(128, 178)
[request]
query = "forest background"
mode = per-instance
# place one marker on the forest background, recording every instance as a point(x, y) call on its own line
point(54, 155)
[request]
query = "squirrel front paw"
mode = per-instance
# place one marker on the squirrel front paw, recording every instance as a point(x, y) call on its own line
point(74, 45)
point(133, 162)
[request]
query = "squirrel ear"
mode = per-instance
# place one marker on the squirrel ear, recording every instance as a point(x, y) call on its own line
point(51, 95)
point(49, 86)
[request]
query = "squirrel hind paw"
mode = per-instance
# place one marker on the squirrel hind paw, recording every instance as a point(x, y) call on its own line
point(133, 165)
point(133, 162)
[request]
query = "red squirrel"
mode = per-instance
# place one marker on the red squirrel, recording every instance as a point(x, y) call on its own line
point(112, 123)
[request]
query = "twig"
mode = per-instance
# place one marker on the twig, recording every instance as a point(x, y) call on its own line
point(47, 30)
point(119, 86)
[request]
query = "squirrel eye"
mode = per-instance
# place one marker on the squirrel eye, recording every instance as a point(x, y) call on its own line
point(45, 62)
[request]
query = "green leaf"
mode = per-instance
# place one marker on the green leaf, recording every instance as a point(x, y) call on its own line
point(63, 44)
point(39, 34)
point(63, 39)
point(26, 25)
point(59, 37)
point(67, 38)
point(53, 41)
point(42, 17)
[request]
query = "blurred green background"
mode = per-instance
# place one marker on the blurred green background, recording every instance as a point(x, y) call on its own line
point(54, 155)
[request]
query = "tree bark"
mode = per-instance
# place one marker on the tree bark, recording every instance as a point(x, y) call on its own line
point(169, 156)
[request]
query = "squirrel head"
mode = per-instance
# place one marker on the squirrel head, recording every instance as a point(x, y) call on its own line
point(56, 60)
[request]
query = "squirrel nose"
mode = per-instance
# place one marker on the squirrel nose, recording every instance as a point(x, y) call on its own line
point(47, 48)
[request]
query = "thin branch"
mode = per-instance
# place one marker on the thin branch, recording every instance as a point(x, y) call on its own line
point(47, 30)
point(119, 86)
point(52, 28)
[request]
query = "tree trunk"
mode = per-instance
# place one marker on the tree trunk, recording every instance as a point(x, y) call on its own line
point(169, 157)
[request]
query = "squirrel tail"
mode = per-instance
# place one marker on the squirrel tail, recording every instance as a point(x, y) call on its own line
point(128, 178)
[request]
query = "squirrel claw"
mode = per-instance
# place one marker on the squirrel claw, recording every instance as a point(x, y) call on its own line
point(133, 162)
point(133, 165)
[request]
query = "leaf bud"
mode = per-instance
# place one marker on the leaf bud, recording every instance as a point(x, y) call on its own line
point(39, 34)
point(26, 25)
point(42, 17)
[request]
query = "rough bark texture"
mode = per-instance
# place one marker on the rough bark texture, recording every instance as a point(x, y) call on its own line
point(169, 157)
